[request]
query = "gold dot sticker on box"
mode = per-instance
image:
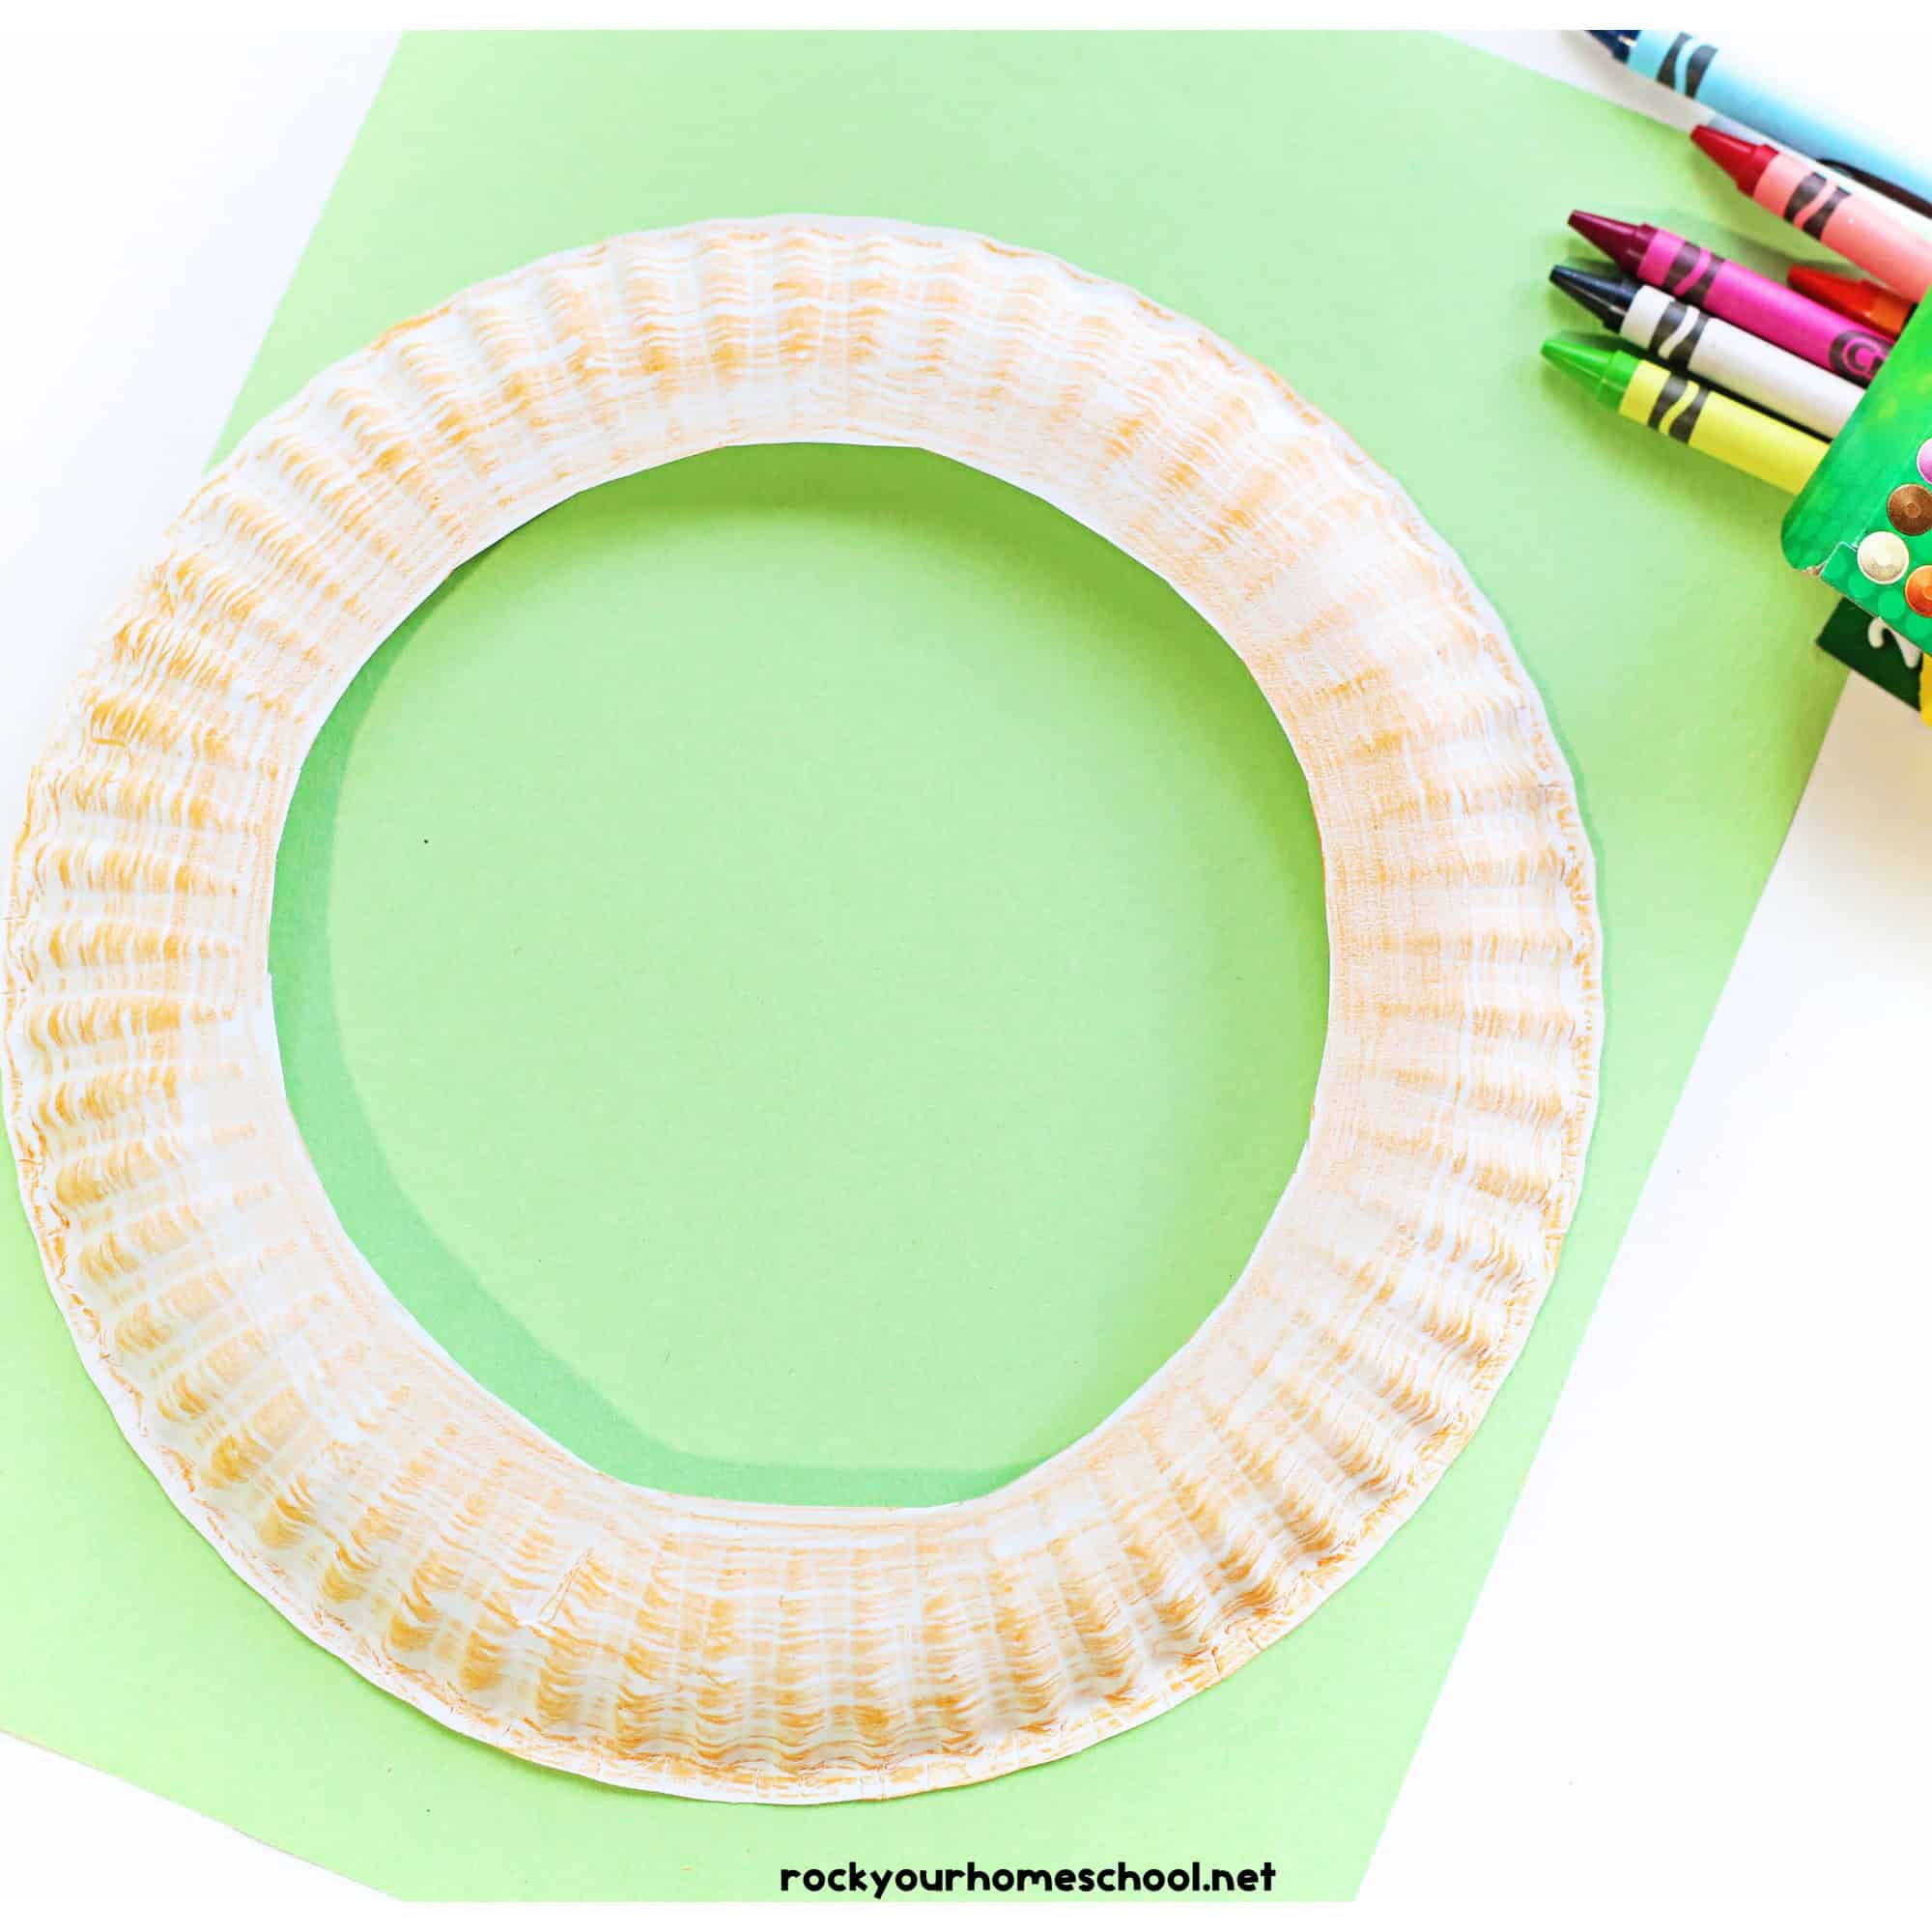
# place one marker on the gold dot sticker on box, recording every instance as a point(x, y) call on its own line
point(1883, 557)
point(1909, 509)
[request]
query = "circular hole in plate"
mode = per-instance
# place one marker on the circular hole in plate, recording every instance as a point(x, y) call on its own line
point(805, 970)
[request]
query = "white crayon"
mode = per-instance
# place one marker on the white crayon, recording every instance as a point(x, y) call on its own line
point(1732, 358)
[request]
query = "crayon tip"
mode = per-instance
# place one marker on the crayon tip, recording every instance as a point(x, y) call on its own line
point(1617, 42)
point(1623, 241)
point(1584, 361)
point(1866, 303)
point(1743, 160)
point(1823, 286)
point(1606, 296)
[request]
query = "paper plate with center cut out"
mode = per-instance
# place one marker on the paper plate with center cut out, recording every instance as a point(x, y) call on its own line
point(428, 1534)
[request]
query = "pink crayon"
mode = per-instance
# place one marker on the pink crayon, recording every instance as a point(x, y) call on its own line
point(1721, 287)
point(1850, 223)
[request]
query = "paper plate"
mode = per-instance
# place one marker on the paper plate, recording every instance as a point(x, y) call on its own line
point(425, 1532)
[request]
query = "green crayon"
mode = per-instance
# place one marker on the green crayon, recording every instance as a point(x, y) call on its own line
point(1670, 402)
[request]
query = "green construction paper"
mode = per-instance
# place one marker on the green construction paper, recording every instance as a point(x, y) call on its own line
point(744, 943)
point(890, 917)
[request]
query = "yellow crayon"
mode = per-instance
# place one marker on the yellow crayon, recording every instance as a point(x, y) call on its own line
point(1671, 403)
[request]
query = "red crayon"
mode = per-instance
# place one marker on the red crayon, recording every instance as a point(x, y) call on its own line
point(1864, 301)
point(1748, 301)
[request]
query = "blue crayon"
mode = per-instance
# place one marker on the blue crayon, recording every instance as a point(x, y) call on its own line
point(1702, 72)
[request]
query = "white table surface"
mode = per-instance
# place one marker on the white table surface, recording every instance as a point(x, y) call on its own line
point(1748, 1728)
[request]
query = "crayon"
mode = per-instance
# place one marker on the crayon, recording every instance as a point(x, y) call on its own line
point(1726, 85)
point(1907, 210)
point(1845, 295)
point(1676, 406)
point(1734, 294)
point(1850, 224)
point(1687, 338)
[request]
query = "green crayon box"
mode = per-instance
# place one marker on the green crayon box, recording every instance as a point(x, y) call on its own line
point(1869, 646)
point(1863, 522)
